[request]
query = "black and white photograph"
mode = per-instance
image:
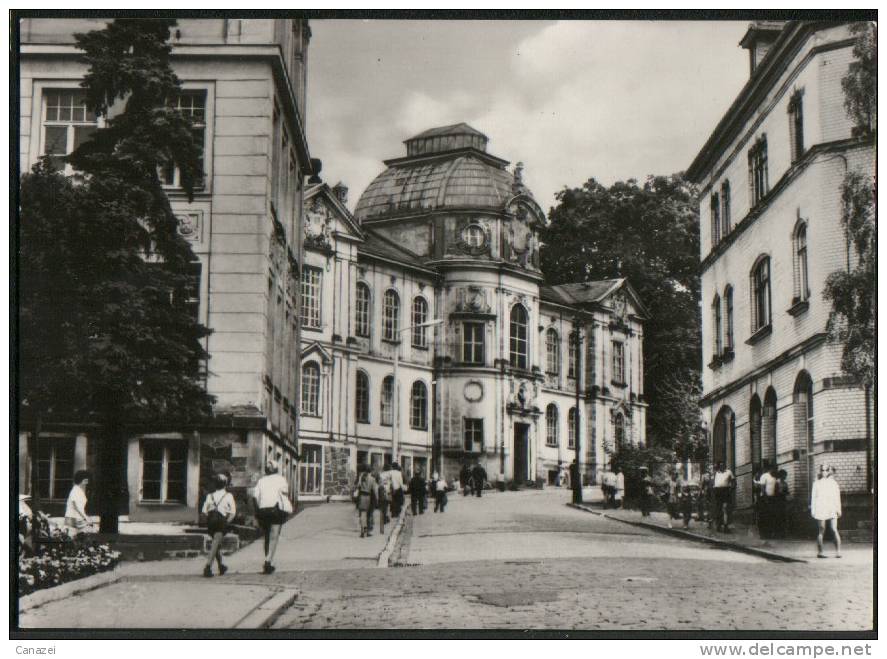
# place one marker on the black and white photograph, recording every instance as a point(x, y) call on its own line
point(464, 324)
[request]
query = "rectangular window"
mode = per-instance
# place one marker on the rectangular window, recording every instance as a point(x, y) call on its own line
point(757, 171)
point(474, 435)
point(715, 219)
point(618, 362)
point(572, 357)
point(761, 295)
point(55, 467)
point(725, 209)
point(473, 343)
point(164, 471)
point(387, 402)
point(571, 428)
point(67, 123)
point(362, 311)
point(310, 469)
point(191, 104)
point(311, 281)
point(796, 124)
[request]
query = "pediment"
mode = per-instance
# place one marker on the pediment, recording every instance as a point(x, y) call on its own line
point(318, 351)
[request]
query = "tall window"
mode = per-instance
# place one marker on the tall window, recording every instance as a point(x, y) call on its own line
point(796, 124)
point(419, 406)
point(802, 283)
point(725, 208)
point(716, 326)
point(551, 421)
point(387, 407)
point(715, 219)
point(518, 337)
point(760, 287)
point(571, 428)
point(420, 316)
point(390, 315)
point(619, 431)
point(362, 310)
point(310, 389)
point(473, 436)
point(754, 431)
point(757, 170)
point(67, 123)
point(311, 279)
point(572, 356)
point(473, 343)
point(191, 104)
point(55, 467)
point(552, 352)
point(728, 306)
point(310, 469)
point(164, 471)
point(619, 362)
point(362, 398)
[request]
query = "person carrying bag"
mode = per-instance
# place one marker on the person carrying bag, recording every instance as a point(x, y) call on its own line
point(220, 509)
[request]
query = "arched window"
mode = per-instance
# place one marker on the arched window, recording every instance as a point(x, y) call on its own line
point(715, 219)
point(803, 413)
point(362, 398)
point(310, 389)
point(723, 441)
point(362, 310)
point(551, 422)
point(518, 337)
point(725, 208)
point(420, 317)
point(419, 406)
point(760, 294)
point(754, 432)
point(552, 352)
point(619, 431)
point(728, 321)
point(716, 326)
point(387, 406)
point(802, 279)
point(571, 428)
point(390, 315)
point(572, 356)
point(768, 436)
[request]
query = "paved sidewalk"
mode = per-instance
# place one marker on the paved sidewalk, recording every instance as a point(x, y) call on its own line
point(741, 537)
point(164, 594)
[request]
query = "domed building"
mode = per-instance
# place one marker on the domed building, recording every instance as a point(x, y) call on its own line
point(429, 338)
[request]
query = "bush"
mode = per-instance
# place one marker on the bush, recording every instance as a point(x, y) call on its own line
point(630, 458)
point(62, 561)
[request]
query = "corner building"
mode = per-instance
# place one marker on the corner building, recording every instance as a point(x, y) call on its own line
point(447, 233)
point(770, 181)
point(243, 84)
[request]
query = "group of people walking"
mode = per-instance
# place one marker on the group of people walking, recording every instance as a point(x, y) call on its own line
point(771, 502)
point(472, 480)
point(381, 490)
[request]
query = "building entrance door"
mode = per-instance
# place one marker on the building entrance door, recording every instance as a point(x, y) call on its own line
point(521, 436)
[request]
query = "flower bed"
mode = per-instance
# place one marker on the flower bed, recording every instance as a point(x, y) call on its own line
point(61, 561)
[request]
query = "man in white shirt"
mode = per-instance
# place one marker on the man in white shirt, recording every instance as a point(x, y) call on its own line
point(268, 493)
point(396, 490)
point(723, 488)
point(76, 519)
point(767, 484)
point(825, 506)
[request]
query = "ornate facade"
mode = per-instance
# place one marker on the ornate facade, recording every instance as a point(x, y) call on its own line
point(447, 237)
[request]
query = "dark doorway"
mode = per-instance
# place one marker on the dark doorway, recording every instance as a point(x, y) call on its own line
point(521, 434)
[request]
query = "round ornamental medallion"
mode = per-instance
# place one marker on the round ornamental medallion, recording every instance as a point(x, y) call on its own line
point(473, 239)
point(474, 391)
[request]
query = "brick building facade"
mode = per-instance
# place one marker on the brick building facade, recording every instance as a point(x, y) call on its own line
point(770, 181)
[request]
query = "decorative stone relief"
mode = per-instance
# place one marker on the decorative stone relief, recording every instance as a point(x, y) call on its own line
point(473, 299)
point(318, 224)
point(190, 226)
point(473, 391)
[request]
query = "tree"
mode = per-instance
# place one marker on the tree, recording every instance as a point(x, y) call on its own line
point(107, 332)
point(648, 234)
point(852, 291)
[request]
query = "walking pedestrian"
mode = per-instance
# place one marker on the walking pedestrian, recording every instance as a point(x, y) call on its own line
point(646, 492)
point(271, 496)
point(722, 490)
point(575, 481)
point(479, 474)
point(686, 500)
point(366, 492)
point(76, 519)
point(220, 509)
point(825, 506)
point(397, 490)
point(782, 496)
point(767, 487)
point(418, 493)
point(383, 498)
point(672, 494)
point(440, 494)
point(619, 495)
point(704, 496)
point(465, 480)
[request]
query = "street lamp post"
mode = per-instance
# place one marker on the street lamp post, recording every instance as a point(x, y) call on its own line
point(395, 426)
point(577, 488)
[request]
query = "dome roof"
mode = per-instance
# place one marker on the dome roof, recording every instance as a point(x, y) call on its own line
point(446, 167)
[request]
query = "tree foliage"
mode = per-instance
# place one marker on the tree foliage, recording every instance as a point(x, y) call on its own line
point(649, 234)
point(860, 85)
point(107, 334)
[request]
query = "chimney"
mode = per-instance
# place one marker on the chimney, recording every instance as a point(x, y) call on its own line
point(341, 192)
point(758, 39)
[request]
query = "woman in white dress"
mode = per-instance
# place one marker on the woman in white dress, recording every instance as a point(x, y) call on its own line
point(825, 506)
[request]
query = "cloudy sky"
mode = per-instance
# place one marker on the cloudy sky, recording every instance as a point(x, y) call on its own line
point(571, 100)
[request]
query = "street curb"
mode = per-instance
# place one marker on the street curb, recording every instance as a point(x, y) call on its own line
point(65, 590)
point(680, 533)
point(264, 615)
point(385, 556)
